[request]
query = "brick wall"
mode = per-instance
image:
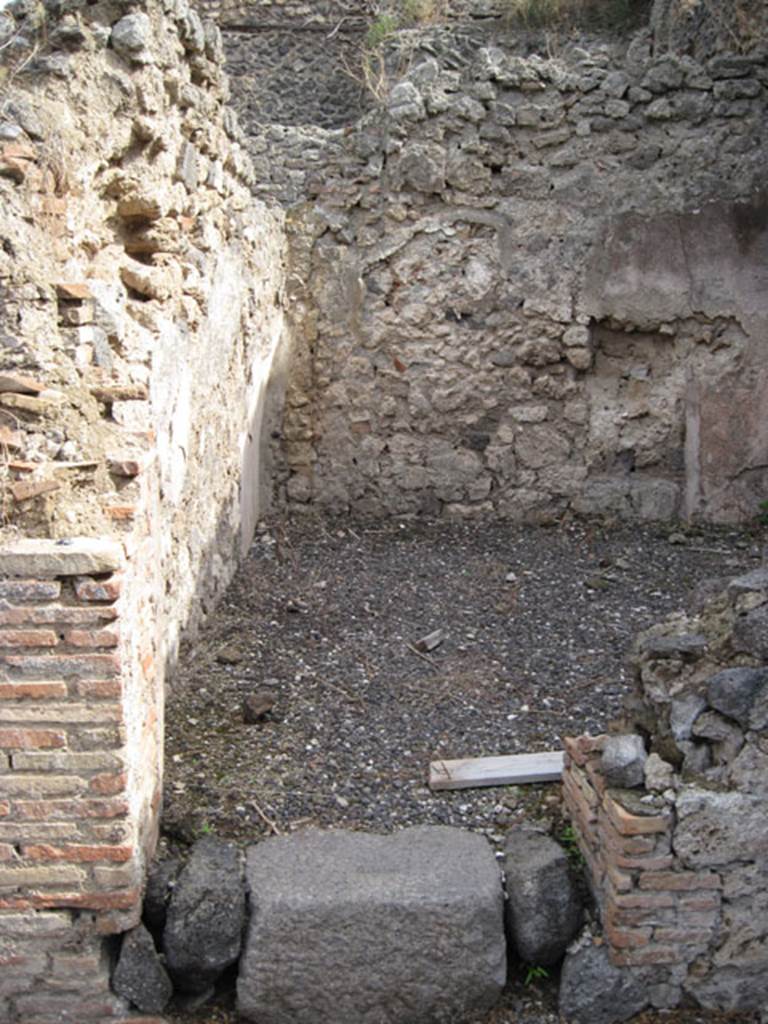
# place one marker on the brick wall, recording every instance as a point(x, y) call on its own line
point(653, 910)
point(81, 740)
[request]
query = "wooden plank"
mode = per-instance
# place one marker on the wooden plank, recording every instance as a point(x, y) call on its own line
point(508, 770)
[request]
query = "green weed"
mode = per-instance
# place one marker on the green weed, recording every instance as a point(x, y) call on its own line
point(535, 973)
point(380, 30)
point(570, 844)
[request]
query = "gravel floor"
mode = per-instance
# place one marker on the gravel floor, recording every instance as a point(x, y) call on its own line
point(326, 617)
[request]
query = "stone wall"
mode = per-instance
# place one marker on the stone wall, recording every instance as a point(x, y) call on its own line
point(674, 841)
point(531, 286)
point(293, 63)
point(142, 332)
point(299, 63)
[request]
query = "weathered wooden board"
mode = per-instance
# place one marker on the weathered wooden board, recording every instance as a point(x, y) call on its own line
point(509, 770)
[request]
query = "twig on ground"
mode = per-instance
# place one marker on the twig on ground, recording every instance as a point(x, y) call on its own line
point(423, 657)
point(271, 825)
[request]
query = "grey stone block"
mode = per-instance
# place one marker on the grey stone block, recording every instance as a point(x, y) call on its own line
point(139, 975)
point(683, 713)
point(543, 909)
point(131, 36)
point(206, 916)
point(593, 991)
point(160, 882)
point(622, 761)
point(349, 928)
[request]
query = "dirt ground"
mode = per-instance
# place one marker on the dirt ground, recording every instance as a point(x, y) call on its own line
point(320, 635)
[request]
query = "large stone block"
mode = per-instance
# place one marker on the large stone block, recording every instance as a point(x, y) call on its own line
point(206, 915)
point(543, 909)
point(348, 928)
point(593, 991)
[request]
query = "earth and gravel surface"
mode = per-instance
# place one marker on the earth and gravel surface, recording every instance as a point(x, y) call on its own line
point(323, 622)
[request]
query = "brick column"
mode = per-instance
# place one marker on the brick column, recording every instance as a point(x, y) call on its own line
point(653, 910)
point(79, 773)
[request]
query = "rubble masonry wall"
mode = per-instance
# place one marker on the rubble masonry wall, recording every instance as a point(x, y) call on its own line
point(527, 287)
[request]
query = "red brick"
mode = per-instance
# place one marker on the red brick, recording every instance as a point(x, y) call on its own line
point(126, 899)
point(19, 980)
point(39, 1007)
point(23, 876)
point(64, 964)
point(101, 739)
point(68, 713)
point(111, 877)
point(92, 637)
point(33, 691)
point(33, 927)
point(576, 797)
point(55, 614)
point(28, 787)
point(108, 784)
point(57, 810)
point(710, 901)
point(634, 918)
point(595, 864)
point(644, 863)
point(89, 589)
point(78, 854)
point(49, 665)
point(581, 747)
point(99, 688)
point(28, 638)
point(67, 761)
point(634, 824)
point(40, 832)
point(13, 439)
point(627, 938)
point(678, 881)
point(630, 846)
point(642, 900)
point(30, 590)
point(26, 490)
point(5, 808)
point(15, 903)
point(702, 918)
point(7, 852)
point(115, 832)
point(620, 881)
point(74, 290)
point(31, 739)
point(120, 512)
point(30, 964)
point(596, 779)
